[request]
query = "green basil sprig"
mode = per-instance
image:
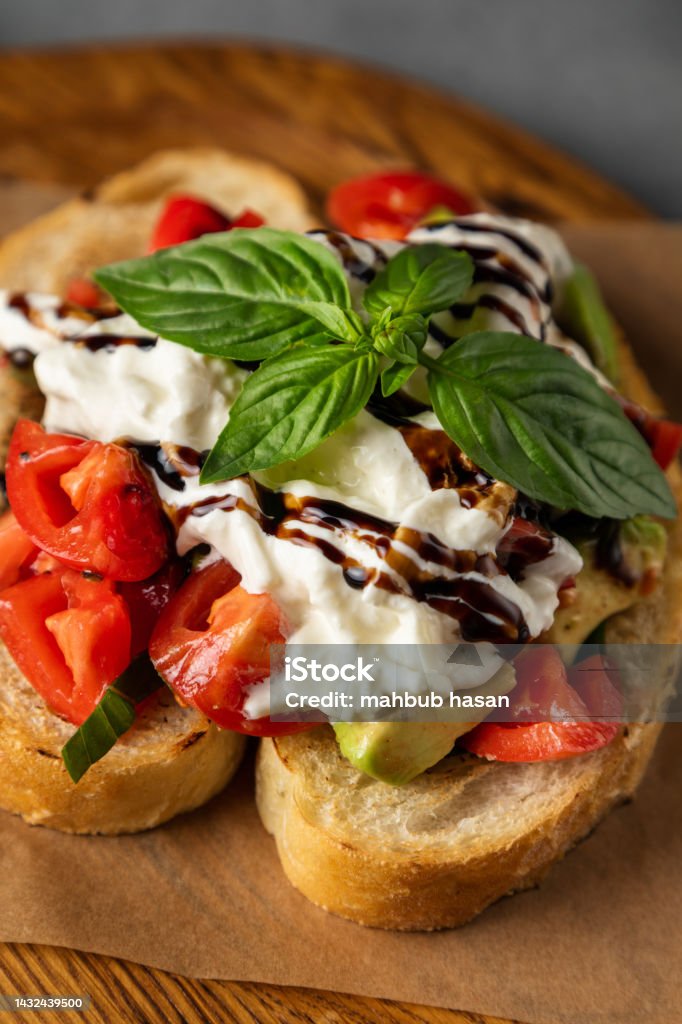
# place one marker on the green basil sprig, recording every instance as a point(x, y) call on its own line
point(523, 411)
point(113, 716)
point(290, 405)
point(530, 415)
point(245, 294)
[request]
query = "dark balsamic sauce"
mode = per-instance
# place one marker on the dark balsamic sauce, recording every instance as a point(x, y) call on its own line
point(610, 556)
point(352, 263)
point(93, 342)
point(171, 463)
point(110, 342)
point(21, 358)
point(526, 247)
point(508, 273)
point(412, 558)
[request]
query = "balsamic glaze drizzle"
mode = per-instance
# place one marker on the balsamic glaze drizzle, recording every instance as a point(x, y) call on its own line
point(417, 564)
point(92, 342)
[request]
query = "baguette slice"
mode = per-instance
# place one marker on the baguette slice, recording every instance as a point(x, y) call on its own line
point(436, 852)
point(115, 220)
point(173, 759)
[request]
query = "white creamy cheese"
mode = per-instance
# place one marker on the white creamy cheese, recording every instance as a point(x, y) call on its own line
point(165, 392)
point(44, 326)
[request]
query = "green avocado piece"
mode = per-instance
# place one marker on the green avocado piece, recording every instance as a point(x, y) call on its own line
point(599, 594)
point(583, 315)
point(396, 752)
point(643, 544)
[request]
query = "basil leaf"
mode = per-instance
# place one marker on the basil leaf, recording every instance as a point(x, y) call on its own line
point(393, 377)
point(401, 339)
point(420, 279)
point(531, 416)
point(112, 717)
point(244, 294)
point(289, 405)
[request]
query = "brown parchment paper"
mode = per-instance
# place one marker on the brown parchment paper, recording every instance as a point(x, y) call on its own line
point(599, 941)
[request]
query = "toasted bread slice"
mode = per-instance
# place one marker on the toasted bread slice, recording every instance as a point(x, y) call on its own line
point(173, 759)
point(434, 853)
point(115, 221)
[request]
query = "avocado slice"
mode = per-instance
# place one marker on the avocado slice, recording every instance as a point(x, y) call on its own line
point(599, 593)
point(643, 545)
point(396, 752)
point(583, 315)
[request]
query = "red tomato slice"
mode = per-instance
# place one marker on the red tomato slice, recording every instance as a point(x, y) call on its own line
point(184, 218)
point(69, 635)
point(212, 642)
point(524, 542)
point(542, 690)
point(147, 599)
point(83, 292)
point(248, 219)
point(90, 505)
point(390, 204)
point(665, 439)
point(16, 550)
point(592, 681)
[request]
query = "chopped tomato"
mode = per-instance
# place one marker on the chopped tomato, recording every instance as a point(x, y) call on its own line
point(248, 219)
point(547, 713)
point(390, 204)
point(664, 437)
point(91, 505)
point(147, 599)
point(83, 292)
point(69, 635)
point(212, 646)
point(524, 542)
point(17, 550)
point(184, 218)
point(592, 678)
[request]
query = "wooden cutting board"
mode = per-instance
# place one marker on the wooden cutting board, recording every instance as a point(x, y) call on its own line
point(71, 118)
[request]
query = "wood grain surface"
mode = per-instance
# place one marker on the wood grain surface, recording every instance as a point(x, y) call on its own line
point(74, 117)
point(71, 118)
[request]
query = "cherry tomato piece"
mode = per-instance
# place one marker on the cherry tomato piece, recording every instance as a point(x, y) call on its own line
point(184, 218)
point(542, 691)
point(147, 599)
point(69, 636)
point(665, 439)
point(390, 204)
point(524, 542)
point(82, 292)
point(592, 679)
point(91, 505)
point(212, 646)
point(17, 550)
point(248, 219)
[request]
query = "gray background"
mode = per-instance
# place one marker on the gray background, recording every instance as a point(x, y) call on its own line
point(600, 78)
